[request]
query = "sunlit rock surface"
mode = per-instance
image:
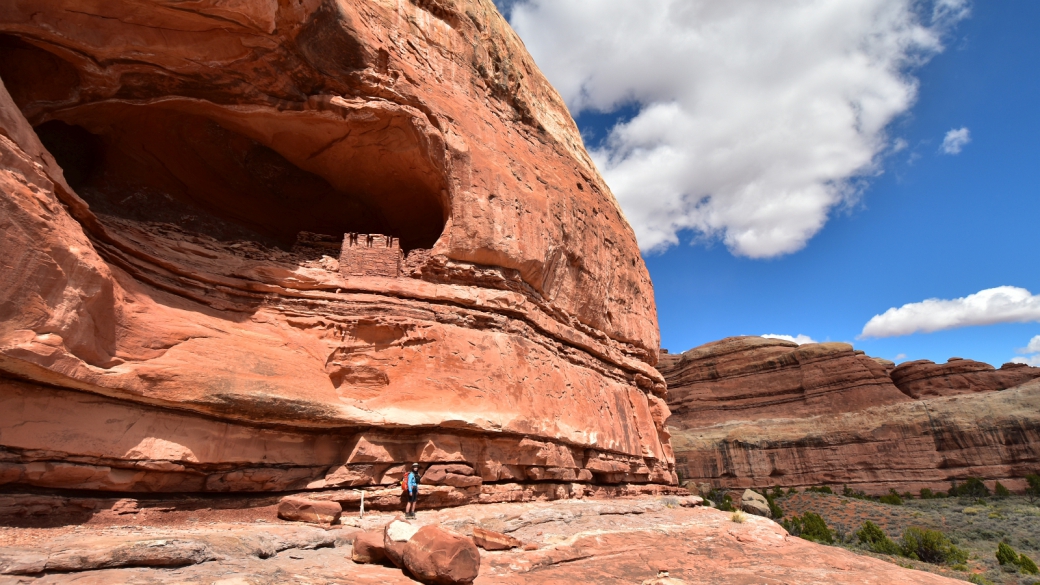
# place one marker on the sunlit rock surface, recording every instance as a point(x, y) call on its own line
point(178, 311)
point(753, 412)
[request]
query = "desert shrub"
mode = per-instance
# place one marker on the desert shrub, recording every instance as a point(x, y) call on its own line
point(1027, 565)
point(777, 492)
point(820, 490)
point(891, 498)
point(774, 510)
point(876, 539)
point(851, 493)
point(931, 546)
point(979, 580)
point(926, 494)
point(738, 517)
point(791, 491)
point(1006, 555)
point(972, 489)
point(722, 500)
point(1033, 491)
point(810, 527)
point(1000, 491)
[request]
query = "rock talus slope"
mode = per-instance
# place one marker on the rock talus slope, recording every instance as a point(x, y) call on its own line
point(753, 412)
point(176, 183)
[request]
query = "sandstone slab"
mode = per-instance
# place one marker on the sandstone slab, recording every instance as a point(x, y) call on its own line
point(299, 509)
point(491, 540)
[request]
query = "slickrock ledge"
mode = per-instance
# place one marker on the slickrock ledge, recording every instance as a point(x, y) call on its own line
point(276, 246)
point(617, 542)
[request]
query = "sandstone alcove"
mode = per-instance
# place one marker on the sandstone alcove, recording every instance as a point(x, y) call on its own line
point(229, 171)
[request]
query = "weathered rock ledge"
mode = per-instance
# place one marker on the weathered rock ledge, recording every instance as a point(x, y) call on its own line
point(610, 543)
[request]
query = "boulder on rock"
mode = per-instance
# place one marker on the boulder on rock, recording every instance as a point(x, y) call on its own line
point(455, 475)
point(491, 540)
point(438, 557)
point(755, 503)
point(395, 536)
point(368, 548)
point(300, 509)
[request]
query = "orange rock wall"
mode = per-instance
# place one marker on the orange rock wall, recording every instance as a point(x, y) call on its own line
point(149, 259)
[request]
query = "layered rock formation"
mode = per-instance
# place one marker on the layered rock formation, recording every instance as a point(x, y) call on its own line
point(750, 378)
point(923, 378)
point(909, 446)
point(179, 186)
point(780, 414)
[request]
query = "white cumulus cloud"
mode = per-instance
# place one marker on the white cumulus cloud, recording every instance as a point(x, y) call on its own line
point(1032, 348)
point(956, 140)
point(799, 339)
point(756, 118)
point(1003, 304)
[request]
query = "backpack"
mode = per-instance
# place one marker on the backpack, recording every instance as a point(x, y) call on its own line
point(404, 480)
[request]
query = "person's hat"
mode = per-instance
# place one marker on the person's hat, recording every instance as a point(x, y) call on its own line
point(415, 466)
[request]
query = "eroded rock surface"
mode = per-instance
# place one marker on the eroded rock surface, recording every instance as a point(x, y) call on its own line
point(907, 446)
point(924, 379)
point(750, 378)
point(617, 542)
point(191, 300)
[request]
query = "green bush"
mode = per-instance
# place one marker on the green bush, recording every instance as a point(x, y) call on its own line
point(1000, 491)
point(1027, 565)
point(791, 491)
point(926, 494)
point(774, 510)
point(850, 493)
point(820, 490)
point(1033, 491)
point(810, 527)
point(815, 529)
point(972, 488)
point(722, 500)
point(1006, 555)
point(931, 546)
point(876, 539)
point(979, 580)
point(892, 498)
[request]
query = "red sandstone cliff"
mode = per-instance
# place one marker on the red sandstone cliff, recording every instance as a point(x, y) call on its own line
point(175, 183)
point(754, 412)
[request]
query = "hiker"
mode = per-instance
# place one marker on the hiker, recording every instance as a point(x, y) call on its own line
point(411, 490)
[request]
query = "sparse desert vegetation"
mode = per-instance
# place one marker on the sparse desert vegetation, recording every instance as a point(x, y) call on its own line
point(968, 533)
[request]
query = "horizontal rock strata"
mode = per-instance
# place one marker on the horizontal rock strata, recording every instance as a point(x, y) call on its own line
point(907, 446)
point(193, 298)
point(750, 378)
point(923, 378)
point(755, 412)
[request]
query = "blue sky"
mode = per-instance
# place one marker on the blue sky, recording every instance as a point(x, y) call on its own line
point(839, 218)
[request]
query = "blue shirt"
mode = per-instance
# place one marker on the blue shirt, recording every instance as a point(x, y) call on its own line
point(413, 481)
